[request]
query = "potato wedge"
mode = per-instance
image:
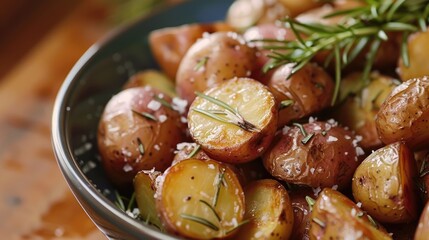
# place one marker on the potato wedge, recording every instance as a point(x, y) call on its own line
point(306, 92)
point(212, 60)
point(235, 121)
point(269, 209)
point(317, 154)
point(359, 107)
point(136, 132)
point(404, 116)
point(243, 14)
point(384, 184)
point(418, 65)
point(200, 199)
point(153, 78)
point(334, 216)
point(169, 45)
point(144, 189)
point(422, 231)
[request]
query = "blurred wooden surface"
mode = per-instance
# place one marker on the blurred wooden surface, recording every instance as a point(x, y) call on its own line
point(39, 42)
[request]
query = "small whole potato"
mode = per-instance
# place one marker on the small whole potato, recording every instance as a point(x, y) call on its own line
point(235, 121)
point(212, 60)
point(417, 46)
point(334, 216)
point(384, 184)
point(358, 109)
point(136, 132)
point(422, 231)
point(306, 92)
point(301, 212)
point(243, 14)
point(169, 45)
point(404, 115)
point(154, 79)
point(317, 154)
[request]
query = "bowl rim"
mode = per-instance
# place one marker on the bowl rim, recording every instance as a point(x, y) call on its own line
point(78, 183)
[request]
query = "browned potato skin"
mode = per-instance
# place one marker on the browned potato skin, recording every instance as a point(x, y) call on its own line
point(318, 163)
point(358, 110)
point(297, 7)
point(422, 231)
point(417, 48)
point(169, 45)
point(186, 151)
point(404, 116)
point(301, 213)
point(341, 219)
point(384, 184)
point(310, 89)
point(119, 129)
point(225, 56)
point(269, 209)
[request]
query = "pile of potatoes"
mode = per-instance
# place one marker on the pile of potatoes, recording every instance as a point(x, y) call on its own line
point(214, 147)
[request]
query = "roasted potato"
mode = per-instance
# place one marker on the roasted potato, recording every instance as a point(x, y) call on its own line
point(404, 115)
point(359, 107)
point(317, 154)
point(169, 45)
point(212, 60)
point(200, 199)
point(301, 213)
point(384, 184)
point(269, 211)
point(422, 159)
point(189, 150)
point(235, 121)
point(154, 79)
point(144, 189)
point(136, 132)
point(306, 92)
point(334, 216)
point(297, 7)
point(418, 64)
point(422, 232)
point(243, 14)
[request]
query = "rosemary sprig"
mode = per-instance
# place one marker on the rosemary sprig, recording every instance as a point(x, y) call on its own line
point(226, 115)
point(200, 220)
point(364, 28)
point(219, 183)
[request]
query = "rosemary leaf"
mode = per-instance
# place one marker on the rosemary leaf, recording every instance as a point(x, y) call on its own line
point(373, 222)
point(132, 201)
point(301, 128)
point(163, 102)
point(211, 208)
point(194, 151)
point(404, 50)
point(145, 115)
point(307, 138)
point(200, 220)
point(202, 62)
point(236, 227)
point(310, 202)
point(286, 103)
point(319, 222)
point(119, 202)
point(218, 186)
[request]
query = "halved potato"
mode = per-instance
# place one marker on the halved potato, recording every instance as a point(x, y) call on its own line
point(308, 91)
point(422, 232)
point(360, 106)
point(243, 14)
point(144, 189)
point(200, 199)
point(384, 184)
point(153, 78)
point(169, 45)
point(239, 128)
point(334, 216)
point(212, 60)
point(317, 154)
point(404, 115)
point(269, 211)
point(137, 132)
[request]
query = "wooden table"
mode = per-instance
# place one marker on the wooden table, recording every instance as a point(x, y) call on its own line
point(35, 202)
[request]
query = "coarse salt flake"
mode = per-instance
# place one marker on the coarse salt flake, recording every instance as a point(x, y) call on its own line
point(359, 151)
point(162, 118)
point(127, 168)
point(154, 105)
point(332, 139)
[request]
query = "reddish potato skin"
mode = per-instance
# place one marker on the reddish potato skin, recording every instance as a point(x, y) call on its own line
point(404, 115)
point(225, 56)
point(310, 89)
point(120, 127)
point(301, 213)
point(169, 45)
point(321, 162)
